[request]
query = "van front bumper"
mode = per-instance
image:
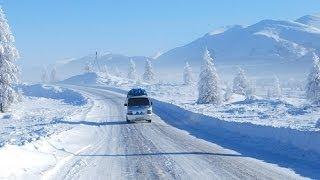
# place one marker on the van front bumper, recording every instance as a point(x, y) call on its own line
point(140, 117)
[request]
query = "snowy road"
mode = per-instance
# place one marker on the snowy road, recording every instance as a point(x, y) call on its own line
point(116, 150)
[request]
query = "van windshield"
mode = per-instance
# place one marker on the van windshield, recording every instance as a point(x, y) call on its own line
point(138, 102)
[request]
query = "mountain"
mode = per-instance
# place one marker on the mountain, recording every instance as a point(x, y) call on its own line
point(113, 62)
point(310, 20)
point(267, 47)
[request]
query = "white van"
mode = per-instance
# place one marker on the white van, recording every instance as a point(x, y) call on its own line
point(139, 106)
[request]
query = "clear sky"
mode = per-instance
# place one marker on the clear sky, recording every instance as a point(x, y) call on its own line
point(50, 30)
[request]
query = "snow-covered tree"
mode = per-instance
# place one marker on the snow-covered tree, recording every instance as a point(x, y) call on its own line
point(240, 83)
point(187, 75)
point(276, 88)
point(228, 93)
point(117, 72)
point(269, 93)
point(44, 75)
point(53, 75)
point(105, 71)
point(148, 75)
point(8, 69)
point(250, 91)
point(313, 84)
point(208, 85)
point(132, 73)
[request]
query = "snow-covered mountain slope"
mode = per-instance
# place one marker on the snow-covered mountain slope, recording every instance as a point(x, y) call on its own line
point(265, 47)
point(311, 20)
point(112, 61)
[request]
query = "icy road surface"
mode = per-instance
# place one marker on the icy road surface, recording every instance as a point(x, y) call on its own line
point(117, 150)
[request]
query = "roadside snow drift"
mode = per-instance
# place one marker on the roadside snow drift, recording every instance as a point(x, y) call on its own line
point(82, 79)
point(54, 92)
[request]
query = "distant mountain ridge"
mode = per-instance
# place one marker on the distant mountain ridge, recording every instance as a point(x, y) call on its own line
point(310, 20)
point(268, 44)
point(267, 47)
point(112, 61)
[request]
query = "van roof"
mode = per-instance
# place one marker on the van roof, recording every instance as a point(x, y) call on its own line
point(137, 92)
point(131, 97)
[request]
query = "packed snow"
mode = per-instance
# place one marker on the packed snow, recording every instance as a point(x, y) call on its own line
point(35, 115)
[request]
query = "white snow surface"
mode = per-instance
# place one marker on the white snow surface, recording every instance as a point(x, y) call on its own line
point(92, 140)
point(101, 145)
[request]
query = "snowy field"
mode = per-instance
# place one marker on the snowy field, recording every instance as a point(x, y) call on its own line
point(292, 110)
point(35, 115)
point(38, 132)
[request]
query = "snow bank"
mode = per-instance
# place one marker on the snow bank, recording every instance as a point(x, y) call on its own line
point(94, 78)
point(82, 79)
point(53, 92)
point(285, 141)
point(45, 156)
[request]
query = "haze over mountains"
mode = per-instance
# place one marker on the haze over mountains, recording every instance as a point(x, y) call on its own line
point(267, 47)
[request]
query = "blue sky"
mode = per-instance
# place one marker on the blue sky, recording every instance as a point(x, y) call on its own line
point(50, 30)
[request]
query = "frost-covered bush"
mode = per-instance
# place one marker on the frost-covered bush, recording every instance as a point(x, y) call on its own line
point(53, 75)
point(132, 72)
point(8, 69)
point(105, 72)
point(208, 85)
point(275, 92)
point(187, 75)
point(228, 93)
point(44, 75)
point(250, 92)
point(276, 87)
point(148, 75)
point(313, 83)
point(240, 83)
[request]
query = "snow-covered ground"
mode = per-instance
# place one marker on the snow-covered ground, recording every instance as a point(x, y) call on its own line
point(32, 128)
point(35, 115)
point(291, 111)
point(57, 132)
point(290, 120)
point(101, 145)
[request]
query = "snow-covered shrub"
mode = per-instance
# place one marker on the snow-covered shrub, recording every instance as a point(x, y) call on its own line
point(148, 75)
point(132, 73)
point(240, 82)
point(277, 88)
point(104, 71)
point(250, 92)
point(8, 69)
point(187, 75)
point(228, 93)
point(117, 72)
point(53, 75)
point(275, 91)
point(208, 85)
point(313, 83)
point(44, 75)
